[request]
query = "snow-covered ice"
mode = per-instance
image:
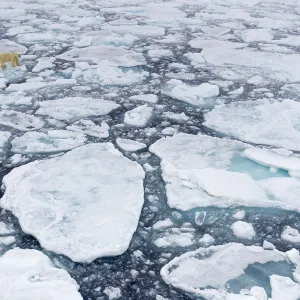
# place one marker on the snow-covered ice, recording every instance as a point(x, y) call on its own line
point(52, 141)
point(88, 127)
point(284, 288)
point(29, 274)
point(206, 271)
point(11, 46)
point(150, 98)
point(201, 171)
point(76, 219)
point(130, 145)
point(291, 235)
point(274, 123)
point(202, 95)
point(20, 121)
point(117, 56)
point(112, 292)
point(243, 230)
point(74, 108)
point(138, 116)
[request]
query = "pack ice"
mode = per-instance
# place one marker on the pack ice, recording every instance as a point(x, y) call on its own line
point(264, 121)
point(30, 275)
point(206, 271)
point(201, 171)
point(72, 206)
point(74, 108)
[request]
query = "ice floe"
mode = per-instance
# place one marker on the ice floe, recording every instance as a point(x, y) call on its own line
point(117, 56)
point(74, 108)
point(150, 98)
point(203, 95)
point(202, 171)
point(206, 271)
point(15, 99)
point(138, 30)
point(76, 219)
point(274, 123)
point(88, 127)
point(291, 235)
point(11, 46)
point(138, 116)
point(29, 274)
point(130, 145)
point(243, 230)
point(20, 121)
point(52, 141)
point(105, 73)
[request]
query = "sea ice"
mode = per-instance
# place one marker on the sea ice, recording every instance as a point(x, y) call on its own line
point(201, 171)
point(196, 95)
point(5, 229)
point(243, 230)
point(112, 292)
point(11, 46)
point(43, 64)
point(116, 56)
point(256, 35)
point(7, 240)
point(207, 240)
point(272, 159)
point(70, 200)
point(150, 98)
point(88, 127)
point(130, 145)
point(20, 121)
point(206, 271)
point(284, 288)
point(29, 274)
point(138, 116)
point(180, 117)
point(4, 137)
point(52, 141)
point(291, 235)
point(161, 225)
point(31, 85)
point(181, 239)
point(15, 99)
point(74, 108)
point(138, 30)
point(105, 73)
point(274, 123)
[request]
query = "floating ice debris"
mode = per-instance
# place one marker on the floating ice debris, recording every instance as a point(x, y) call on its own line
point(20, 121)
point(82, 221)
point(272, 159)
point(202, 95)
point(29, 274)
point(161, 225)
point(28, 86)
point(5, 228)
point(206, 271)
point(112, 292)
point(256, 35)
point(88, 127)
point(263, 121)
point(52, 141)
point(192, 165)
point(138, 116)
point(179, 239)
point(107, 74)
point(43, 64)
point(291, 235)
point(207, 240)
point(180, 117)
point(239, 215)
point(157, 53)
point(243, 230)
point(7, 240)
point(284, 288)
point(130, 145)
point(237, 92)
point(10, 46)
point(15, 99)
point(74, 108)
point(150, 98)
point(117, 56)
point(4, 137)
point(138, 30)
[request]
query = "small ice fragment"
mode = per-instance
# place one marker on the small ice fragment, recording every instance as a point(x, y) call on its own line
point(243, 230)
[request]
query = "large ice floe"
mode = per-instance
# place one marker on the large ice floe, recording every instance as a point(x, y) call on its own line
point(52, 141)
point(30, 275)
point(72, 206)
point(74, 108)
point(207, 272)
point(117, 56)
point(264, 121)
point(201, 171)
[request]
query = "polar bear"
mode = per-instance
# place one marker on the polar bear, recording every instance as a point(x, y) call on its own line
point(12, 57)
